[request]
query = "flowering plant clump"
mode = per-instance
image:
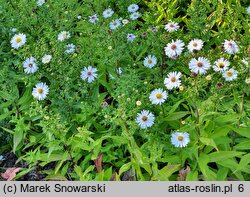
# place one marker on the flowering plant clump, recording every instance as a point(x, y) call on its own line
point(125, 90)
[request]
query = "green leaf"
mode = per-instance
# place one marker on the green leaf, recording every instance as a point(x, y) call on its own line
point(5, 104)
point(18, 137)
point(222, 173)
point(228, 118)
point(107, 174)
point(5, 115)
point(243, 145)
point(208, 142)
point(176, 115)
point(222, 155)
point(58, 156)
point(166, 172)
point(175, 106)
point(147, 167)
point(78, 171)
point(56, 177)
point(6, 96)
point(245, 160)
point(192, 176)
point(23, 172)
point(64, 158)
point(89, 169)
point(124, 168)
point(27, 96)
point(243, 131)
point(203, 160)
point(221, 131)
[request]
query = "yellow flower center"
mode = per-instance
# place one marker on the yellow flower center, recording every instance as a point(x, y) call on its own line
point(144, 118)
point(195, 44)
point(133, 7)
point(18, 39)
point(173, 79)
point(115, 23)
point(159, 95)
point(150, 61)
point(221, 65)
point(229, 74)
point(40, 90)
point(64, 35)
point(180, 138)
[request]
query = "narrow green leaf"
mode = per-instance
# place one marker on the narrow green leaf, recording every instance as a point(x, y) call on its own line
point(176, 115)
point(245, 160)
point(124, 168)
point(208, 142)
point(18, 136)
point(243, 145)
point(166, 172)
point(243, 131)
point(222, 155)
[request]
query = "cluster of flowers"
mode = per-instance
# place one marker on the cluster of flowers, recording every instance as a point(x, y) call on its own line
point(114, 24)
point(145, 118)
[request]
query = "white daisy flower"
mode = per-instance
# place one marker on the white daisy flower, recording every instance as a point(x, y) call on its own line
point(221, 65)
point(131, 37)
point(40, 2)
point(30, 65)
point(145, 119)
point(248, 10)
point(180, 139)
point(79, 17)
point(133, 8)
point(41, 91)
point(93, 18)
point(18, 40)
point(108, 13)
point(114, 24)
point(200, 65)
point(63, 35)
point(89, 73)
point(174, 49)
point(230, 74)
point(150, 61)
point(195, 45)
point(70, 48)
point(46, 59)
point(158, 96)
point(172, 80)
point(230, 46)
point(125, 22)
point(172, 26)
point(135, 16)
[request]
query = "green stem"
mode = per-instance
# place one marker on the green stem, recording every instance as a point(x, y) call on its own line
point(181, 157)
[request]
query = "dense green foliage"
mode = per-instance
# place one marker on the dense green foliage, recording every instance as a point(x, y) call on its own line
point(87, 131)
